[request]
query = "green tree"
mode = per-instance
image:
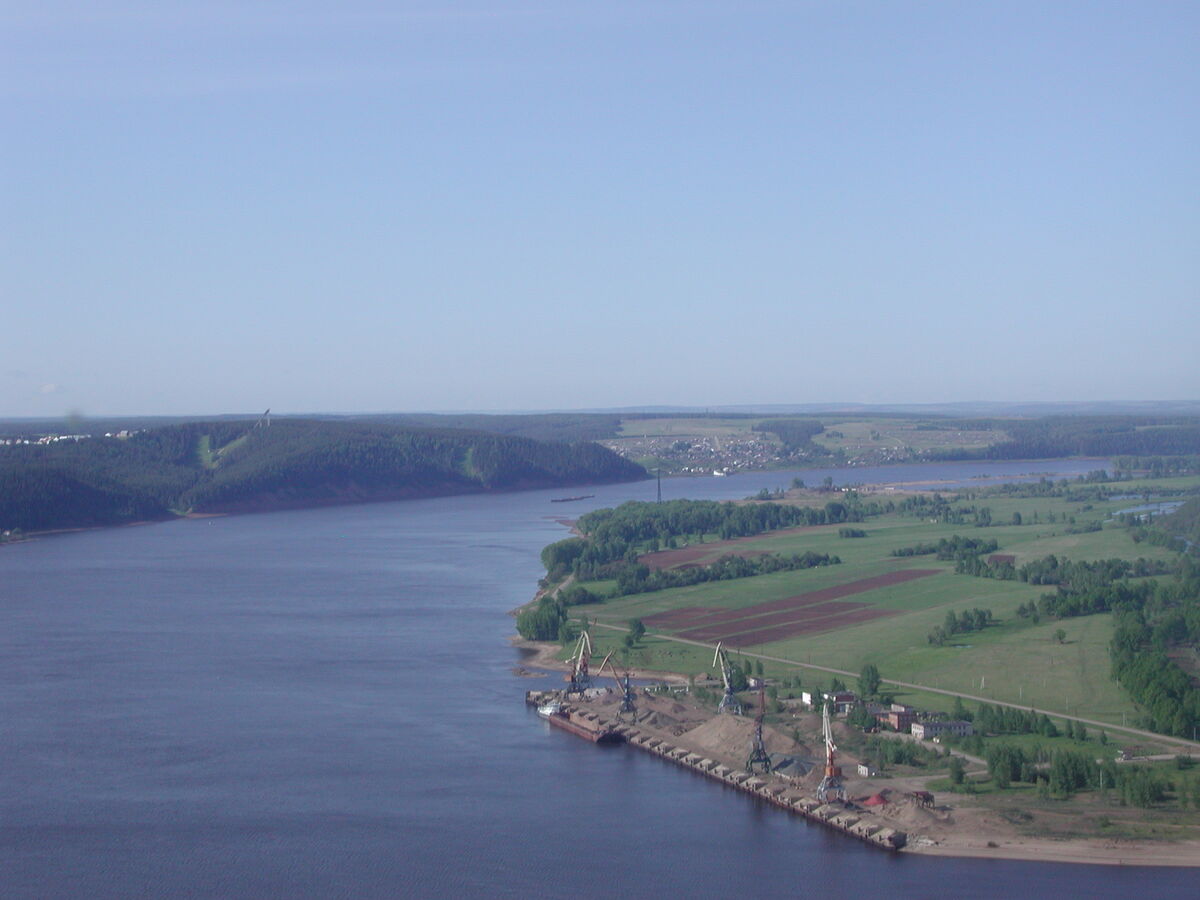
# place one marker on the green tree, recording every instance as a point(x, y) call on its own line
point(637, 629)
point(1060, 635)
point(868, 681)
point(957, 772)
point(959, 713)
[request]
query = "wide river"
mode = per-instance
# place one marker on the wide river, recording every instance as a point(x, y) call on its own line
point(321, 704)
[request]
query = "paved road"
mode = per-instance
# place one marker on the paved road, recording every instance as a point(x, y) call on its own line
point(1192, 746)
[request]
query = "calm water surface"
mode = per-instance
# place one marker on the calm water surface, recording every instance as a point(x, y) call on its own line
point(321, 704)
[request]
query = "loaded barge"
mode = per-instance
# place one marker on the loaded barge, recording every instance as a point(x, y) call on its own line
point(586, 725)
point(839, 816)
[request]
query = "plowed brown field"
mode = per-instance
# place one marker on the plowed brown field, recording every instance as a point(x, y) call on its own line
point(777, 620)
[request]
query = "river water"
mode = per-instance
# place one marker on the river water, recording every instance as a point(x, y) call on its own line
point(321, 704)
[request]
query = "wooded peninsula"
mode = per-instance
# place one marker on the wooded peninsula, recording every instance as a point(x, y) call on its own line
point(248, 466)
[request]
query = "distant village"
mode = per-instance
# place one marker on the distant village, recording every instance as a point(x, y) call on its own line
point(725, 455)
point(61, 438)
point(702, 455)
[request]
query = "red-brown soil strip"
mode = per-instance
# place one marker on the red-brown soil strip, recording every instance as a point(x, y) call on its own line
point(709, 631)
point(800, 601)
point(831, 623)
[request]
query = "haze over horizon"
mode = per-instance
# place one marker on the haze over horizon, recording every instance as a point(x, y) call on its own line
point(370, 207)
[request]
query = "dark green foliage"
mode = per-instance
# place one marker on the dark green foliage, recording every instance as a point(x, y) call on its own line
point(1184, 523)
point(559, 557)
point(578, 596)
point(615, 537)
point(299, 462)
point(954, 547)
point(637, 578)
point(561, 427)
point(851, 533)
point(885, 752)
point(293, 462)
point(1005, 764)
point(1085, 588)
point(796, 435)
point(869, 680)
point(542, 621)
point(1054, 437)
point(860, 718)
point(970, 620)
point(1142, 635)
point(957, 771)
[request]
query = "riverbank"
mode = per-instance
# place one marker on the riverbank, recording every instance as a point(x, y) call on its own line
point(1185, 854)
point(949, 825)
point(544, 655)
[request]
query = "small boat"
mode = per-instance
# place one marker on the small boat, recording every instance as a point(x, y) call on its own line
point(546, 710)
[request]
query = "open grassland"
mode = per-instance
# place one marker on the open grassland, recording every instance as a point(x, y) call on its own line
point(688, 428)
point(859, 435)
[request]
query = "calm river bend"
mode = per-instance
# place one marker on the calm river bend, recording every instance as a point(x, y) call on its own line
point(320, 704)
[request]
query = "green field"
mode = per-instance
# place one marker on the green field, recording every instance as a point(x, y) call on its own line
point(1014, 660)
point(858, 435)
point(688, 428)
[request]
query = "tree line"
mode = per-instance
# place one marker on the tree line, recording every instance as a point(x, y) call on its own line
point(1055, 437)
point(294, 462)
point(638, 578)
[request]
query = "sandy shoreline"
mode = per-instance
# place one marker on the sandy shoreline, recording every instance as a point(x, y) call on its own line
point(1079, 851)
point(545, 656)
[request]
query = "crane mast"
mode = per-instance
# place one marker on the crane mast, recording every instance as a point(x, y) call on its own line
point(627, 707)
point(759, 758)
point(831, 787)
point(729, 701)
point(579, 680)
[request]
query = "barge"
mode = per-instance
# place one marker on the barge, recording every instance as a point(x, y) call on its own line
point(585, 725)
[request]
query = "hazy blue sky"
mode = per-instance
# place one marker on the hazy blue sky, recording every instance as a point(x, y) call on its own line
point(216, 207)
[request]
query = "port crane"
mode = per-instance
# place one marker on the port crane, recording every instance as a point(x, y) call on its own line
point(579, 680)
point(729, 702)
point(831, 787)
point(759, 758)
point(627, 707)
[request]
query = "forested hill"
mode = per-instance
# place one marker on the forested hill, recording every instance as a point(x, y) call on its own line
point(237, 467)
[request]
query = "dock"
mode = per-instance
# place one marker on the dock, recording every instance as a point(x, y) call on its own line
point(781, 793)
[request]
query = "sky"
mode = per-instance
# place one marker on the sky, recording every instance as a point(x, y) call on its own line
point(431, 206)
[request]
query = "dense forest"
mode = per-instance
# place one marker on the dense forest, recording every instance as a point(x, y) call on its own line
point(796, 435)
point(616, 537)
point(566, 427)
point(1054, 437)
point(228, 466)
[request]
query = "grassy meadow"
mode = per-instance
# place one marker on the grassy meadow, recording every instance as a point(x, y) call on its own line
point(1015, 660)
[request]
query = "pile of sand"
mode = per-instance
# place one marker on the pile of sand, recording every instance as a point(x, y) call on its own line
point(732, 736)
